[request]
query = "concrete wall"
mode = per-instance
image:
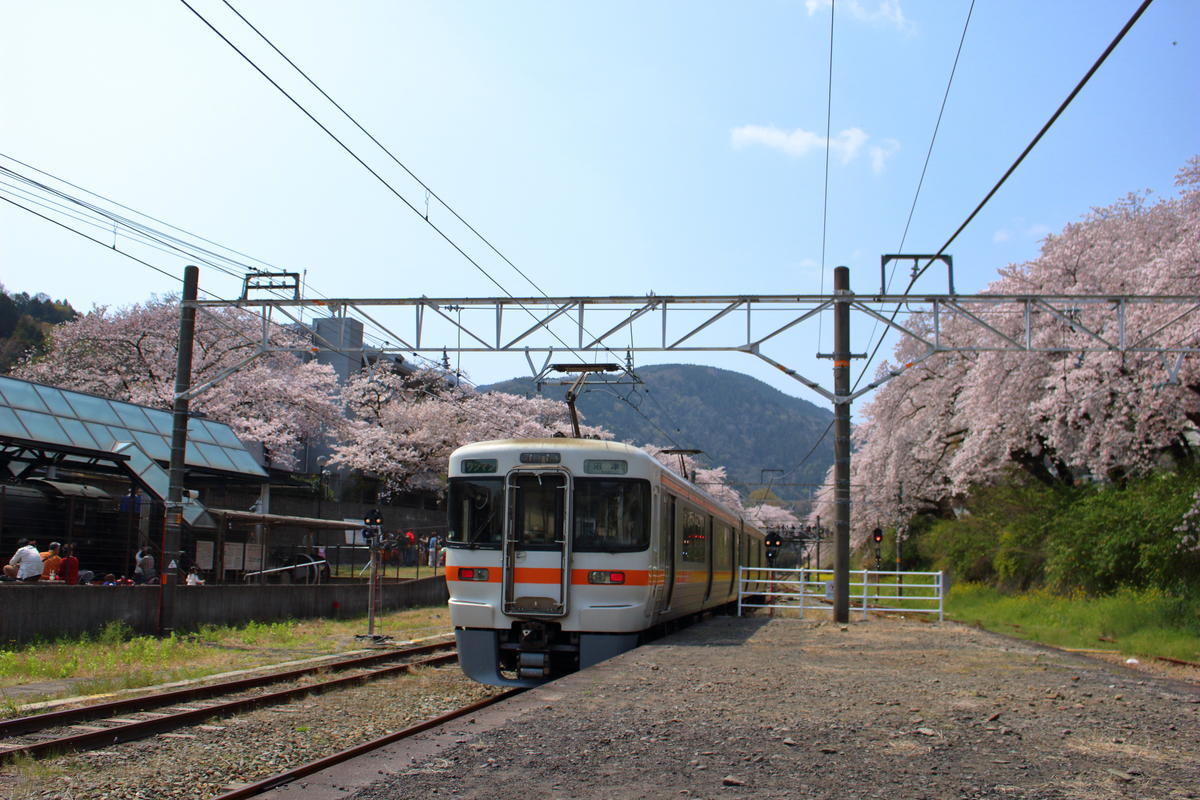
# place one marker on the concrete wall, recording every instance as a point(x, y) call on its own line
point(51, 610)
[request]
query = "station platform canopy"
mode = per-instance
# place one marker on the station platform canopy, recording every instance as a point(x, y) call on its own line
point(46, 425)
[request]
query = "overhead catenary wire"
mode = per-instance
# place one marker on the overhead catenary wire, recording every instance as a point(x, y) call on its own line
point(1020, 158)
point(828, 132)
point(363, 163)
point(1028, 149)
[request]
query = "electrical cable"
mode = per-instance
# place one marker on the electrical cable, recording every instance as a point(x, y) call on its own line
point(1028, 148)
point(373, 139)
point(381, 146)
point(428, 190)
point(1054, 117)
point(828, 131)
point(917, 194)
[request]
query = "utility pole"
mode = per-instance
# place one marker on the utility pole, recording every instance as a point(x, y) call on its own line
point(179, 424)
point(841, 444)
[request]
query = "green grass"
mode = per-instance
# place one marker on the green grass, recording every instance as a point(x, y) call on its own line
point(1135, 622)
point(116, 659)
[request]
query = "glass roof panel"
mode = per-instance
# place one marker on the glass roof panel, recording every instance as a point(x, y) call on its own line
point(55, 400)
point(58, 416)
point(154, 445)
point(20, 394)
point(132, 416)
point(153, 475)
point(243, 461)
point(161, 420)
point(95, 409)
point(79, 433)
point(44, 428)
point(200, 431)
point(10, 425)
point(216, 456)
point(102, 435)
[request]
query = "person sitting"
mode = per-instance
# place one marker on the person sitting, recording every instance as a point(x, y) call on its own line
point(143, 571)
point(51, 561)
point(69, 571)
point(194, 578)
point(26, 563)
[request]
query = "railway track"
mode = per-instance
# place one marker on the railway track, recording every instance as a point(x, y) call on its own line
point(300, 771)
point(105, 724)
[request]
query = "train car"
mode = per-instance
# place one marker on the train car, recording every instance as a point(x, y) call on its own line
point(564, 552)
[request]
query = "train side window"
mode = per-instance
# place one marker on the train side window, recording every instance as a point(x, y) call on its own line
point(693, 546)
point(476, 508)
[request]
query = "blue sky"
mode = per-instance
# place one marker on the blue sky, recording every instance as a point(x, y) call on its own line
point(605, 148)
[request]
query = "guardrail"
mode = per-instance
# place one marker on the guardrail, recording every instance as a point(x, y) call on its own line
point(812, 589)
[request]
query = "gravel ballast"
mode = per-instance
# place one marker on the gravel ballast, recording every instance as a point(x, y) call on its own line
point(757, 708)
point(204, 761)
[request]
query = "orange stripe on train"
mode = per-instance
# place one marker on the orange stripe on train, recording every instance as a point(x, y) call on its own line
point(550, 575)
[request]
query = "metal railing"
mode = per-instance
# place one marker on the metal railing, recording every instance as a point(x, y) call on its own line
point(870, 590)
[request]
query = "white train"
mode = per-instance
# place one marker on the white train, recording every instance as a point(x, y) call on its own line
point(564, 552)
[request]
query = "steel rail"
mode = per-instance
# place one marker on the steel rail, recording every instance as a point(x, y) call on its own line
point(138, 729)
point(36, 722)
point(279, 779)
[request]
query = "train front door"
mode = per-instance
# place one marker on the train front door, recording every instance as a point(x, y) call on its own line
point(537, 549)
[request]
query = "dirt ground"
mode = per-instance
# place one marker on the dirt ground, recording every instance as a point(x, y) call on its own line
point(758, 708)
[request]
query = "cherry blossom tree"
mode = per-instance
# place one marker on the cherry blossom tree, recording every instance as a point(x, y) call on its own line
point(712, 480)
point(403, 428)
point(959, 420)
point(765, 515)
point(279, 399)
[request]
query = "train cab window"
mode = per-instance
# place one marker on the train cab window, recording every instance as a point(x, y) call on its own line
point(611, 514)
point(476, 508)
point(539, 509)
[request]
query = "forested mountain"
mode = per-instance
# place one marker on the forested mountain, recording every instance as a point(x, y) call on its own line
point(741, 423)
point(24, 321)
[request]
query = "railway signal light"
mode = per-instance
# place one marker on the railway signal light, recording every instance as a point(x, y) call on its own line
point(373, 519)
point(773, 543)
point(877, 535)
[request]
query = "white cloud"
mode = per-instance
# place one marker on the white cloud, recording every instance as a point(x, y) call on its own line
point(881, 152)
point(1022, 230)
point(846, 146)
point(887, 12)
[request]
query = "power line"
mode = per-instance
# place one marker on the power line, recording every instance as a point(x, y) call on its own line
point(381, 146)
point(363, 163)
point(828, 131)
point(345, 147)
point(1028, 148)
point(917, 194)
point(399, 163)
point(1054, 117)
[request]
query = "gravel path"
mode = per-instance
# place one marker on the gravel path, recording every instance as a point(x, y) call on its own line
point(754, 708)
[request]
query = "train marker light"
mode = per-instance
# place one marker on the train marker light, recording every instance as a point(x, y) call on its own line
point(472, 574)
point(606, 577)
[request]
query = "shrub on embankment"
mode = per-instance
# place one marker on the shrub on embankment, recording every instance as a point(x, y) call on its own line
point(1094, 539)
point(1145, 622)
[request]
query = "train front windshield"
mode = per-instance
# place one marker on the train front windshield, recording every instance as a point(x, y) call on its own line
point(476, 511)
point(609, 514)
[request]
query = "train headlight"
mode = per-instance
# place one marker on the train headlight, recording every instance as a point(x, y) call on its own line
point(606, 576)
point(472, 574)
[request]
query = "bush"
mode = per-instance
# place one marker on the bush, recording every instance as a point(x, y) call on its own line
point(1094, 539)
point(1125, 537)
